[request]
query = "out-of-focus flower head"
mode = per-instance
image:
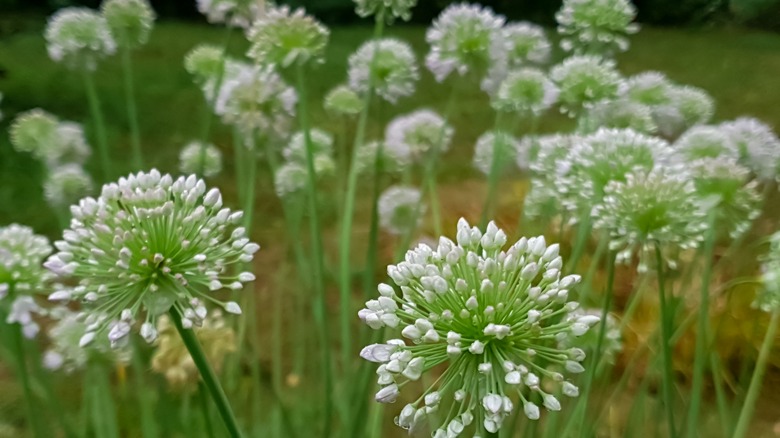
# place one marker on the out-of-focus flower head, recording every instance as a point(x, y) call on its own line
point(284, 37)
point(344, 101)
point(33, 131)
point(69, 147)
point(649, 88)
point(622, 113)
point(687, 107)
point(130, 21)
point(596, 26)
point(365, 158)
point(387, 65)
point(494, 151)
point(79, 38)
point(465, 38)
point(195, 153)
point(611, 344)
point(487, 318)
point(234, 13)
point(204, 61)
point(704, 141)
point(173, 361)
point(549, 165)
point(757, 144)
point(388, 9)
point(410, 137)
point(292, 176)
point(400, 209)
point(65, 353)
point(657, 207)
point(527, 91)
point(321, 144)
point(149, 245)
point(66, 184)
point(584, 81)
point(526, 44)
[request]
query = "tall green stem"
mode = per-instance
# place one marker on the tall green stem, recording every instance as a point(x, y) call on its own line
point(318, 265)
point(702, 331)
point(666, 348)
point(250, 161)
point(496, 160)
point(24, 378)
point(100, 127)
point(754, 390)
point(207, 374)
point(132, 112)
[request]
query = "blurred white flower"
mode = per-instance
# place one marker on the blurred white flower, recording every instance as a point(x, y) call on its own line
point(704, 141)
point(79, 38)
point(758, 145)
point(494, 145)
point(21, 255)
point(387, 65)
point(411, 136)
point(400, 209)
point(234, 13)
point(584, 81)
point(343, 100)
point(621, 113)
point(204, 62)
point(130, 21)
point(526, 44)
point(527, 91)
point(33, 131)
point(687, 107)
point(66, 184)
point(195, 153)
point(284, 37)
point(596, 26)
point(321, 144)
point(649, 88)
point(388, 8)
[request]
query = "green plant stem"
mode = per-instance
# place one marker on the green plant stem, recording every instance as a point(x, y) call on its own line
point(207, 374)
point(754, 390)
point(239, 164)
point(250, 161)
point(666, 349)
point(132, 112)
point(702, 331)
point(494, 175)
point(204, 405)
point(18, 352)
point(724, 413)
point(583, 233)
point(146, 405)
point(318, 265)
point(100, 127)
point(209, 108)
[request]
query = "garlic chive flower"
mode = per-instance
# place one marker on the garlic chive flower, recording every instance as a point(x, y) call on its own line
point(526, 44)
point(66, 184)
point(612, 343)
point(585, 80)
point(527, 91)
point(596, 26)
point(489, 318)
point(768, 297)
point(687, 107)
point(292, 177)
point(400, 209)
point(465, 38)
point(727, 187)
point(648, 88)
point(21, 254)
point(389, 9)
point(194, 152)
point(757, 144)
point(410, 137)
point(70, 146)
point(79, 38)
point(65, 353)
point(130, 21)
point(548, 168)
point(204, 61)
point(622, 114)
point(494, 145)
point(648, 208)
point(284, 38)
point(705, 141)
point(148, 245)
point(32, 131)
point(321, 144)
point(234, 13)
point(343, 100)
point(394, 71)
point(365, 159)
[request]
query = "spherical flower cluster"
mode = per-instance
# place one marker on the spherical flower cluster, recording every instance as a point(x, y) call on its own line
point(283, 37)
point(366, 155)
point(687, 106)
point(65, 353)
point(489, 319)
point(172, 360)
point(321, 143)
point(256, 99)
point(526, 44)
point(78, 37)
point(657, 207)
point(757, 144)
point(292, 176)
point(66, 184)
point(32, 131)
point(726, 187)
point(389, 9)
point(768, 297)
point(388, 66)
point(147, 246)
point(195, 153)
point(411, 137)
point(344, 101)
point(585, 80)
point(622, 113)
point(705, 142)
point(465, 38)
point(650, 88)
point(22, 311)
point(612, 343)
point(548, 168)
point(130, 21)
point(69, 146)
point(527, 91)
point(21, 255)
point(204, 61)
point(234, 13)
point(596, 26)
point(401, 209)
point(494, 152)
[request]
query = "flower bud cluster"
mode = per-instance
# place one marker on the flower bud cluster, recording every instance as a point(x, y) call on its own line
point(388, 66)
point(284, 38)
point(411, 137)
point(596, 26)
point(79, 38)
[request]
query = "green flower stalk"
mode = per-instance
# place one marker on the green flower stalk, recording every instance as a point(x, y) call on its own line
point(486, 316)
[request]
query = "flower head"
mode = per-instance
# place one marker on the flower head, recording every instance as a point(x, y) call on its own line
point(585, 80)
point(130, 21)
point(400, 209)
point(768, 297)
point(388, 66)
point(69, 147)
point(285, 38)
point(612, 343)
point(149, 245)
point(78, 37)
point(21, 255)
point(292, 177)
point(486, 316)
point(411, 136)
point(549, 165)
point(321, 144)
point(65, 353)
point(649, 88)
point(366, 155)
point(648, 208)
point(343, 100)
point(204, 61)
point(195, 153)
point(526, 44)
point(32, 131)
point(596, 26)
point(234, 13)
point(494, 151)
point(66, 184)
point(758, 145)
point(705, 141)
point(465, 38)
point(687, 106)
point(388, 8)
point(622, 113)
point(527, 91)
